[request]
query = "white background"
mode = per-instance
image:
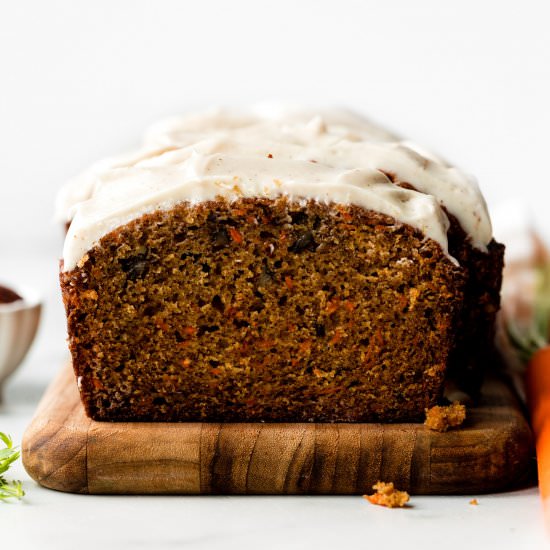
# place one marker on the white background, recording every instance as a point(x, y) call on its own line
point(81, 80)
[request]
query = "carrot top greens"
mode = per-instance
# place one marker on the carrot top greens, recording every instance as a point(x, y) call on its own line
point(8, 455)
point(529, 337)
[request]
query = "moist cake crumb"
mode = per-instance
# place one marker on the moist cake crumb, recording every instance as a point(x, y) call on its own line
point(442, 418)
point(387, 495)
point(263, 310)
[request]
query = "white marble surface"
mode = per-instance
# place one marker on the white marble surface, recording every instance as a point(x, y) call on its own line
point(49, 519)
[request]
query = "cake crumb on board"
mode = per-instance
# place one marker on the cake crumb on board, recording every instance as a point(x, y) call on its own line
point(442, 418)
point(474, 502)
point(387, 495)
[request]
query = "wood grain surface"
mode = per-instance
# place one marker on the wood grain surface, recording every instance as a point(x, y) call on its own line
point(64, 450)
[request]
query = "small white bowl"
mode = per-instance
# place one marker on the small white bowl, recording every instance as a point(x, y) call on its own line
point(18, 324)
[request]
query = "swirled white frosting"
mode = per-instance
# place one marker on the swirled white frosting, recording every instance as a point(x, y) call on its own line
point(330, 156)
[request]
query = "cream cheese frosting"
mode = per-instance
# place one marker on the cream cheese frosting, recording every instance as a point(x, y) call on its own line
point(331, 156)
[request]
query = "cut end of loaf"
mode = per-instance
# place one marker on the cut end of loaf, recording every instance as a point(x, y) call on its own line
point(262, 310)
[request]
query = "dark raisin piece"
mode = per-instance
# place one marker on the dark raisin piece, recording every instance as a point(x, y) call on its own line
point(150, 309)
point(79, 318)
point(127, 263)
point(218, 304)
point(207, 328)
point(298, 218)
point(220, 238)
point(215, 220)
point(159, 401)
point(304, 241)
point(135, 267)
point(320, 331)
point(257, 305)
point(137, 271)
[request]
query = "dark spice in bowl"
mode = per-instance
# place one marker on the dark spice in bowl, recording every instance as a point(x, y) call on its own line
point(7, 296)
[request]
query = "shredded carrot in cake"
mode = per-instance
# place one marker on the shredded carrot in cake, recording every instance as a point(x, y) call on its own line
point(235, 235)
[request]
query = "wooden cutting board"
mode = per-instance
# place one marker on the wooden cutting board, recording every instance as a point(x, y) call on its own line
point(64, 450)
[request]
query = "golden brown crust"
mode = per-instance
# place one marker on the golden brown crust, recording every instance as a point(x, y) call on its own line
point(262, 310)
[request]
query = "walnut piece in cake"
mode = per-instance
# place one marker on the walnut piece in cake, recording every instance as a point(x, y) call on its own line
point(442, 418)
point(387, 495)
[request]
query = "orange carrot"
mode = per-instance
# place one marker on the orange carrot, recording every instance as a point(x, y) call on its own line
point(525, 342)
point(538, 392)
point(235, 235)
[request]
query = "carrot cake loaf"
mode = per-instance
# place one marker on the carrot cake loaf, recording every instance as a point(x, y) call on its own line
point(276, 266)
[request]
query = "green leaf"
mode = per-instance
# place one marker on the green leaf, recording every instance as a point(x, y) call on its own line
point(13, 489)
point(535, 335)
point(8, 455)
point(7, 440)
